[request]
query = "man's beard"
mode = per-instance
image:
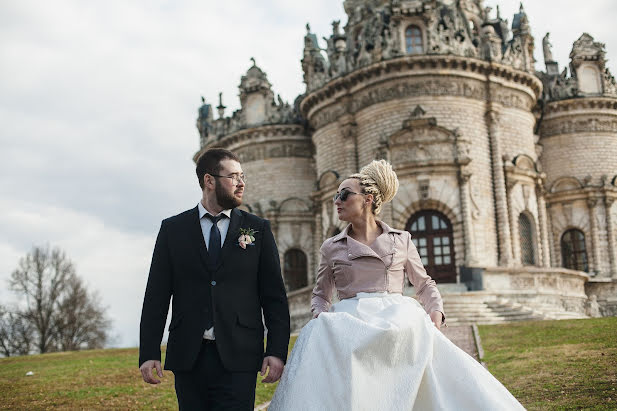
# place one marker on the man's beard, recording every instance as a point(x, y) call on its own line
point(225, 199)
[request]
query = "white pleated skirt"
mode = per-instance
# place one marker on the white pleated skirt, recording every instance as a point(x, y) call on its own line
point(380, 351)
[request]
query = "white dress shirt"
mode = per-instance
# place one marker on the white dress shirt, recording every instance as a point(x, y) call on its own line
point(206, 226)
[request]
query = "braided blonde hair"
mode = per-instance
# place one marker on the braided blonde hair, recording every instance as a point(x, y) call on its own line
point(379, 179)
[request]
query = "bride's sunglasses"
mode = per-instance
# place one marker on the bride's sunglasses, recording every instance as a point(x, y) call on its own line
point(344, 194)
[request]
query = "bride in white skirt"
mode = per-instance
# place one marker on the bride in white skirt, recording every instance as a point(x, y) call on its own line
point(376, 349)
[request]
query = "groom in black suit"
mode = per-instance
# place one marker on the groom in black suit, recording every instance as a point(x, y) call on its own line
point(220, 280)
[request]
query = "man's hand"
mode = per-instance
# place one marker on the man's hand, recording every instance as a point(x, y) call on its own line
point(276, 369)
point(437, 318)
point(146, 371)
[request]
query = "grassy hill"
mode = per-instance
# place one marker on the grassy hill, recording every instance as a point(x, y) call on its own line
point(546, 365)
point(558, 365)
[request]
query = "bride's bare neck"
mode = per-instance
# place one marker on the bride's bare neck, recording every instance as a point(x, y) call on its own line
point(365, 230)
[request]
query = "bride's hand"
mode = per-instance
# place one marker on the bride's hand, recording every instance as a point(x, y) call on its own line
point(437, 318)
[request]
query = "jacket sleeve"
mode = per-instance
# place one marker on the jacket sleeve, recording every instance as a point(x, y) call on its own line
point(272, 297)
point(156, 300)
point(322, 292)
point(426, 288)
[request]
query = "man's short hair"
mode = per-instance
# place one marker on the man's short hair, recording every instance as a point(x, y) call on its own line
point(210, 162)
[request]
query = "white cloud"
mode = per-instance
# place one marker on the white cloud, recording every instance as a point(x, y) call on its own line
point(112, 261)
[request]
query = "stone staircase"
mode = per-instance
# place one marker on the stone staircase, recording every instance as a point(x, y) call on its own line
point(481, 307)
point(484, 308)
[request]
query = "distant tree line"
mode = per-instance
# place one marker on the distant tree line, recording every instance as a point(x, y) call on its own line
point(54, 312)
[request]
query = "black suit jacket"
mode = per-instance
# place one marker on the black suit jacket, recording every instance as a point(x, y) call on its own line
point(245, 282)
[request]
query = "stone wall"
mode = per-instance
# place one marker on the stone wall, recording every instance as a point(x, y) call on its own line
point(553, 291)
point(604, 292)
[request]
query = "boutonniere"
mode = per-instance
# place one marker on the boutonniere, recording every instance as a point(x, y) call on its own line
point(247, 237)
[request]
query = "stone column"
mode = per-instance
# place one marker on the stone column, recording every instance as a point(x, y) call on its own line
point(554, 252)
point(543, 222)
point(514, 234)
point(592, 203)
point(468, 237)
point(499, 189)
point(610, 226)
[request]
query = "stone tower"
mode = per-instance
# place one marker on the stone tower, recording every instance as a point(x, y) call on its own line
point(578, 129)
point(507, 175)
point(276, 152)
point(445, 99)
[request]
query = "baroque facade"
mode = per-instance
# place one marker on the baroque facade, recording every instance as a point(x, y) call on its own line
point(508, 175)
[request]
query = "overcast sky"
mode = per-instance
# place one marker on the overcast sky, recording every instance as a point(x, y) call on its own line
point(98, 102)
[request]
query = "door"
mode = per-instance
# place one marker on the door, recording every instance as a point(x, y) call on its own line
point(431, 232)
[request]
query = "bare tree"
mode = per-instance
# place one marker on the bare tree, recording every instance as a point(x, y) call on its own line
point(80, 319)
point(16, 334)
point(58, 307)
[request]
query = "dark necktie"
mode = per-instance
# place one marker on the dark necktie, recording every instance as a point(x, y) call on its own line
point(214, 252)
point(214, 245)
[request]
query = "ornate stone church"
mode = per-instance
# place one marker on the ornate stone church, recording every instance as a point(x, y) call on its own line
point(508, 175)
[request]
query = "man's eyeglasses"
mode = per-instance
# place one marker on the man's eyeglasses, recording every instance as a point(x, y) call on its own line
point(344, 194)
point(235, 178)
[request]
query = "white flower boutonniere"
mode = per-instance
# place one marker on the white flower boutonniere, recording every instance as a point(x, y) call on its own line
point(247, 237)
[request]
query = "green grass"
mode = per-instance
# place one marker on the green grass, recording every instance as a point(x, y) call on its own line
point(556, 365)
point(547, 365)
point(96, 379)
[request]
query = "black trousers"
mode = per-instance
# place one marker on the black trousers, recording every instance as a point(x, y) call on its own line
point(209, 386)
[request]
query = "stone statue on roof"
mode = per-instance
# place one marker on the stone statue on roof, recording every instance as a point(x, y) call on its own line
point(546, 48)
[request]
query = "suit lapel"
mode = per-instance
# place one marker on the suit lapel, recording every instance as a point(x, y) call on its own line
point(231, 239)
point(197, 236)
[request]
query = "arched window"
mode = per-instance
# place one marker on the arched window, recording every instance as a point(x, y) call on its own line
point(573, 251)
point(294, 272)
point(525, 231)
point(413, 40)
point(431, 233)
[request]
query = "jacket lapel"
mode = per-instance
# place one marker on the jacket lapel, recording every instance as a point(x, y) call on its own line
point(231, 239)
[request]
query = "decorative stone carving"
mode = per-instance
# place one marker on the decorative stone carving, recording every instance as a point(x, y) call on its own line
point(258, 108)
point(573, 125)
point(424, 186)
point(265, 151)
point(448, 34)
point(492, 44)
point(589, 74)
point(451, 28)
point(422, 142)
point(610, 86)
point(586, 49)
point(515, 54)
point(313, 63)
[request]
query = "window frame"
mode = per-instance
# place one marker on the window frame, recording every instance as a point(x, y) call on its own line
point(575, 242)
point(295, 277)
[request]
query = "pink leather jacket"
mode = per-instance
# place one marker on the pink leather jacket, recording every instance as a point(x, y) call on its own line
point(353, 267)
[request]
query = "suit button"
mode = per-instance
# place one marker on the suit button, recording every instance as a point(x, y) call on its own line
point(213, 283)
point(349, 255)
